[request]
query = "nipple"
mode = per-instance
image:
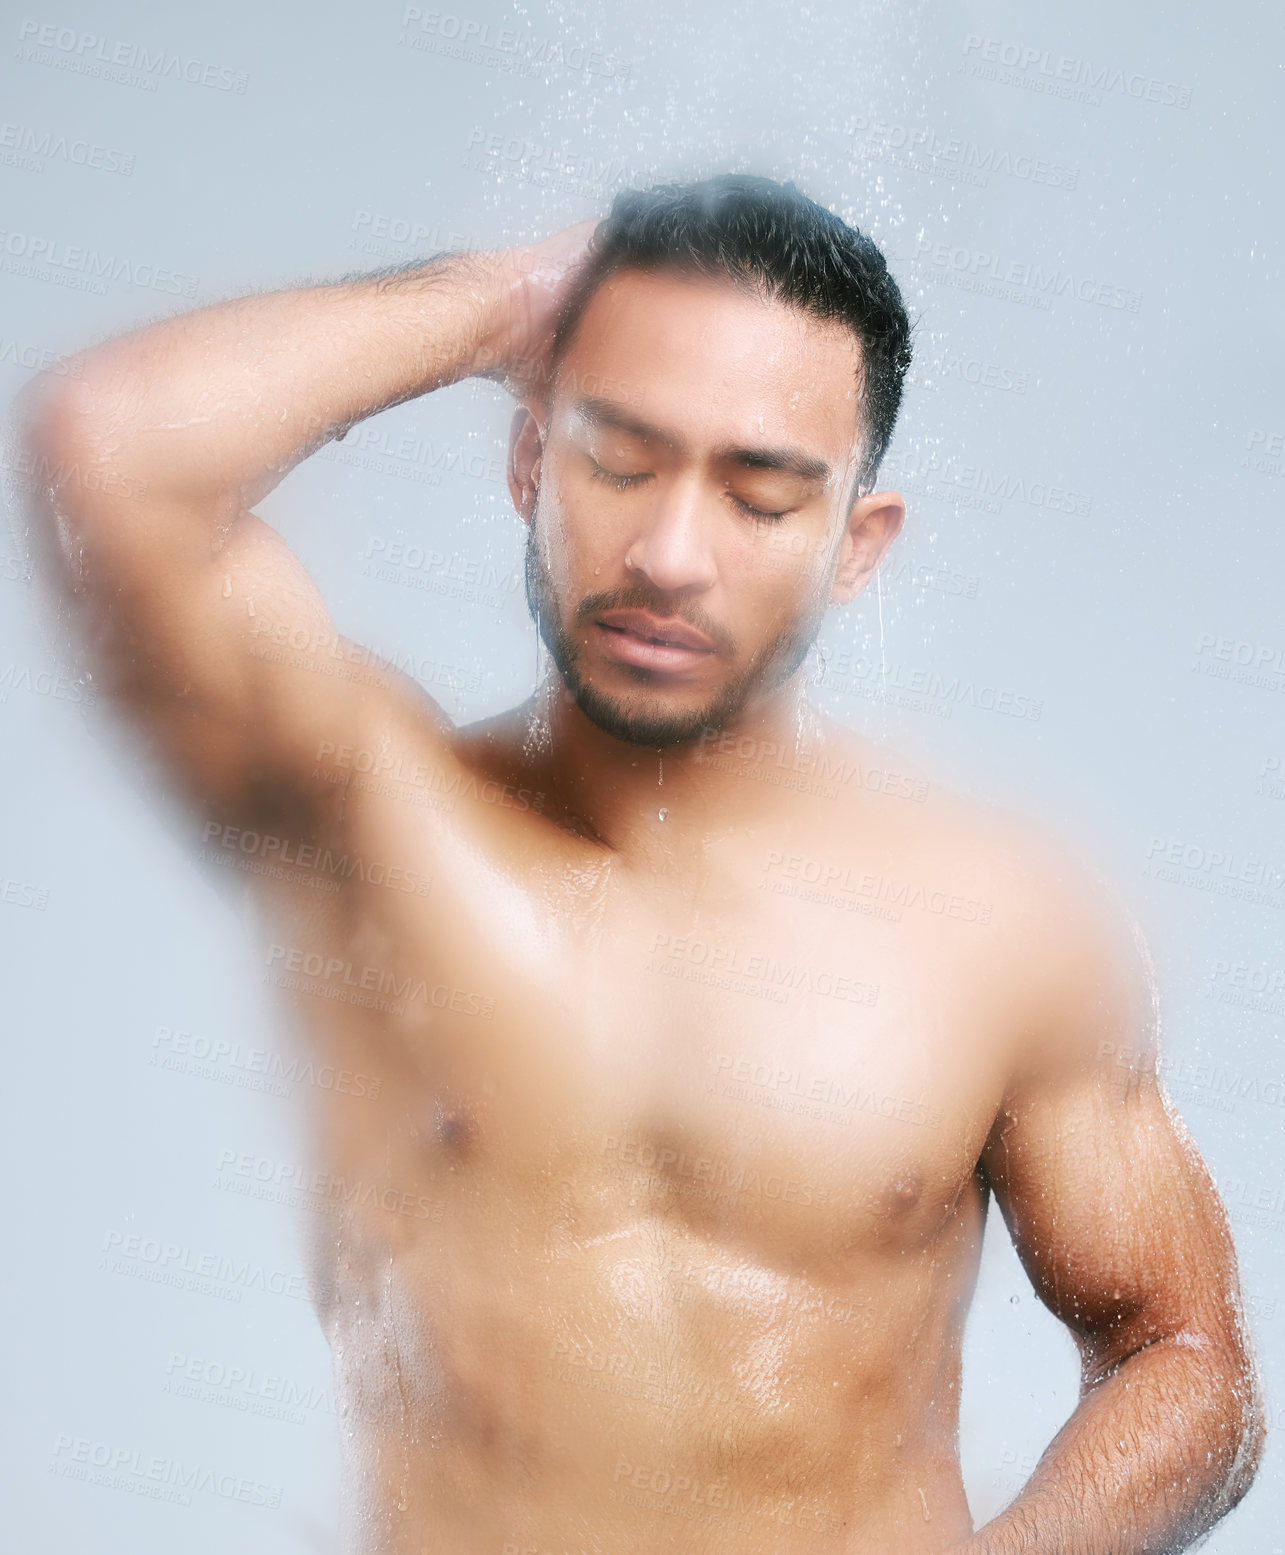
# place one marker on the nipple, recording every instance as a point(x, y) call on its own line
point(904, 1191)
point(454, 1127)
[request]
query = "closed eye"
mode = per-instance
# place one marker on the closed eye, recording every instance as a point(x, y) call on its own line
point(626, 482)
point(759, 513)
point(620, 482)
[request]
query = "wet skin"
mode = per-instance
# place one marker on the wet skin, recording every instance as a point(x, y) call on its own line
point(697, 1066)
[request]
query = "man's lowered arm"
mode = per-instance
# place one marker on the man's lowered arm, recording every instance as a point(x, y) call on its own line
point(1121, 1230)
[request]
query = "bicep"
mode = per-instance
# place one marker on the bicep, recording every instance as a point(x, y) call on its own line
point(217, 644)
point(199, 621)
point(1111, 1209)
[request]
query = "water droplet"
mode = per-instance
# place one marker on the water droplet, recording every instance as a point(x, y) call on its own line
point(662, 815)
point(1013, 1300)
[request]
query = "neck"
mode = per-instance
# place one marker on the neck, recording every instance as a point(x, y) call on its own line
point(655, 800)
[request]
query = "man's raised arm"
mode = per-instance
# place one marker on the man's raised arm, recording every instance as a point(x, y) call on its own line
point(1120, 1228)
point(149, 462)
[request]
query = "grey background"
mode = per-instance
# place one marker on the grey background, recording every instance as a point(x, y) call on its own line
point(325, 136)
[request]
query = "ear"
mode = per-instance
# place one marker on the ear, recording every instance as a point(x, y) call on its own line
point(526, 446)
point(873, 524)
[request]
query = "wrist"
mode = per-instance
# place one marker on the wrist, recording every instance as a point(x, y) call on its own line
point(497, 279)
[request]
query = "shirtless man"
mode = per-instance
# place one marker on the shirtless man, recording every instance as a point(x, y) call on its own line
point(706, 1031)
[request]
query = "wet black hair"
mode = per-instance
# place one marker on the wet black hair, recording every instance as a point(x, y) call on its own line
point(770, 235)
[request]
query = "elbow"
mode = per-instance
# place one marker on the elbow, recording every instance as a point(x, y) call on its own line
point(1247, 1400)
point(69, 435)
point(53, 438)
point(60, 425)
point(1236, 1421)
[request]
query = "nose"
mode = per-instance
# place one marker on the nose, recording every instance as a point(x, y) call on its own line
point(672, 548)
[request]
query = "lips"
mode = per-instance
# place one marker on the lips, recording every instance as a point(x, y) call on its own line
point(653, 643)
point(661, 632)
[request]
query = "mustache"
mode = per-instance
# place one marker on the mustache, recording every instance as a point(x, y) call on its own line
point(635, 598)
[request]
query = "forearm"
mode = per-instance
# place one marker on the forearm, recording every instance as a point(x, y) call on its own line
point(1151, 1458)
point(212, 408)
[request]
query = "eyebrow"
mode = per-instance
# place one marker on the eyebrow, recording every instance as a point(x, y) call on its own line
point(599, 412)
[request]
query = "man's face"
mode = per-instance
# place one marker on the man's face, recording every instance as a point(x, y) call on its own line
point(689, 501)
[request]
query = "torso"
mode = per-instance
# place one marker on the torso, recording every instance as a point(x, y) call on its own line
point(664, 1223)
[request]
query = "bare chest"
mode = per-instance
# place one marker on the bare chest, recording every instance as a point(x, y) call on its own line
point(809, 1083)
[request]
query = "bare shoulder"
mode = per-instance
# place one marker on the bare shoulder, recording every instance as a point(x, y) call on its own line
point(1056, 932)
point(1074, 957)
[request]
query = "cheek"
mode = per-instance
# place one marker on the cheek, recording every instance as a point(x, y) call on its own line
point(580, 548)
point(786, 565)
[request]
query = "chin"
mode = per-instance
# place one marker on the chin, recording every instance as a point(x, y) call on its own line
point(655, 722)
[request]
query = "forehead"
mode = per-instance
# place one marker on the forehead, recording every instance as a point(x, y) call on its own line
point(717, 359)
